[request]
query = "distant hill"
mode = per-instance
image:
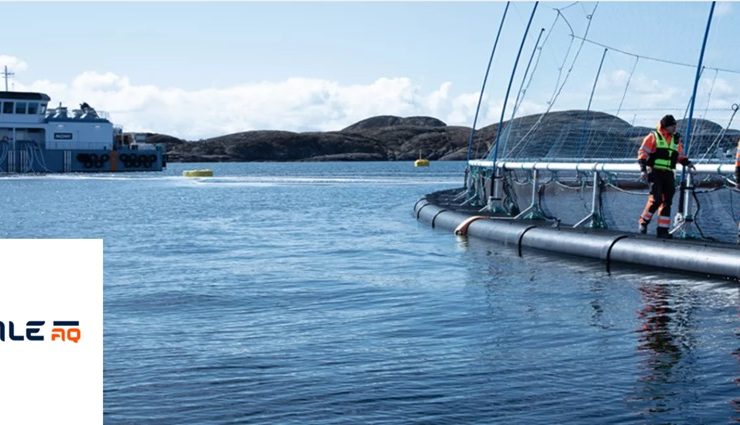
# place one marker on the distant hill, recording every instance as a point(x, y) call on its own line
point(392, 138)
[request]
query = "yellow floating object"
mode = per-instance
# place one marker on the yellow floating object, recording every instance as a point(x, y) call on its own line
point(421, 163)
point(198, 173)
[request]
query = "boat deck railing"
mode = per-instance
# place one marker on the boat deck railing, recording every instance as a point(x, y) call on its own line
point(76, 114)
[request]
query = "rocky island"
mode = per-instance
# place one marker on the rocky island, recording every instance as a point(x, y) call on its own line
point(392, 138)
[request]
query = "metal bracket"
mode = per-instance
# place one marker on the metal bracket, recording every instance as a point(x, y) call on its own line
point(534, 210)
point(595, 220)
point(685, 227)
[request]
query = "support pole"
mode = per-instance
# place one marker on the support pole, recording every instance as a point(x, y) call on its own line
point(587, 122)
point(508, 89)
point(534, 210)
point(595, 220)
point(685, 226)
point(497, 207)
point(485, 79)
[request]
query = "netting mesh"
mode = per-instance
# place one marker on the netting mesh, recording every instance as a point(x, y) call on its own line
point(580, 100)
point(584, 99)
point(566, 198)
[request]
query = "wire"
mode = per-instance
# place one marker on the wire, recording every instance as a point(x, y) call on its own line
point(652, 58)
point(551, 103)
point(721, 134)
point(629, 79)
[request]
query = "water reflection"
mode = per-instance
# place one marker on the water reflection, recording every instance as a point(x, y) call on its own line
point(667, 346)
point(736, 401)
point(597, 305)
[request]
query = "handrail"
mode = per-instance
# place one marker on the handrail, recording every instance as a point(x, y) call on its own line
point(589, 166)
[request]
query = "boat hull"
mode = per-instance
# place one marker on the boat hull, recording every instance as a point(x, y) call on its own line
point(31, 159)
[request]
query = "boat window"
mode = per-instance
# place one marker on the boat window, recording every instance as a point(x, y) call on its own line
point(43, 109)
point(20, 107)
point(33, 108)
point(7, 107)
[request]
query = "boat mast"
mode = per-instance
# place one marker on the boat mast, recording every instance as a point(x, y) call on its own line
point(7, 74)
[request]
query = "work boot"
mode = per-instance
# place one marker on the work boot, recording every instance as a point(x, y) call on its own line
point(662, 233)
point(643, 228)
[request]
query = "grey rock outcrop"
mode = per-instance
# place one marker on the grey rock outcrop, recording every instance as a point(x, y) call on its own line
point(558, 135)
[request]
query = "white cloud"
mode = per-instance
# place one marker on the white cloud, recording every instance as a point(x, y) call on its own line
point(13, 63)
point(295, 104)
point(310, 104)
point(723, 9)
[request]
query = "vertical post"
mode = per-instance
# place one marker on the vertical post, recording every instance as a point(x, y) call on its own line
point(596, 80)
point(696, 81)
point(586, 122)
point(594, 218)
point(508, 90)
point(687, 198)
point(485, 78)
point(687, 218)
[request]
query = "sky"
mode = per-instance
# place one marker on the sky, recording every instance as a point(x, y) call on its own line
point(203, 69)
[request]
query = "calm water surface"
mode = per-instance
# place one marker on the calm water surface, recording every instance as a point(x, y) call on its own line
point(308, 293)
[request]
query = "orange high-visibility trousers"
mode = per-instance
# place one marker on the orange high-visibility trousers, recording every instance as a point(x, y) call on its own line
point(662, 189)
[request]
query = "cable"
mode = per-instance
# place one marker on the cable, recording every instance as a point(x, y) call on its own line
point(629, 79)
point(721, 134)
point(551, 103)
point(652, 58)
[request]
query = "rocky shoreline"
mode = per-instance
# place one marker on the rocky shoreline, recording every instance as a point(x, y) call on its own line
point(392, 138)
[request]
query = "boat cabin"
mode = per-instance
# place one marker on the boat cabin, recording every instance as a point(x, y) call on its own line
point(25, 117)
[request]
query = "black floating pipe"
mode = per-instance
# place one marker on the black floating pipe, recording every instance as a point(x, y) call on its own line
point(673, 255)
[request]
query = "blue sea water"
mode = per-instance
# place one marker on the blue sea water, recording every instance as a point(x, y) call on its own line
point(308, 293)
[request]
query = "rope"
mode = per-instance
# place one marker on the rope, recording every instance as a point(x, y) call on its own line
point(709, 95)
point(701, 125)
point(520, 93)
point(619, 189)
point(721, 134)
point(652, 58)
point(551, 103)
point(629, 79)
point(696, 218)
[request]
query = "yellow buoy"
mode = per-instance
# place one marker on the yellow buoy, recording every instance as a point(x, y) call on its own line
point(198, 173)
point(421, 162)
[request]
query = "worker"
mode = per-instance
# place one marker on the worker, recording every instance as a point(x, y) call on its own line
point(657, 156)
